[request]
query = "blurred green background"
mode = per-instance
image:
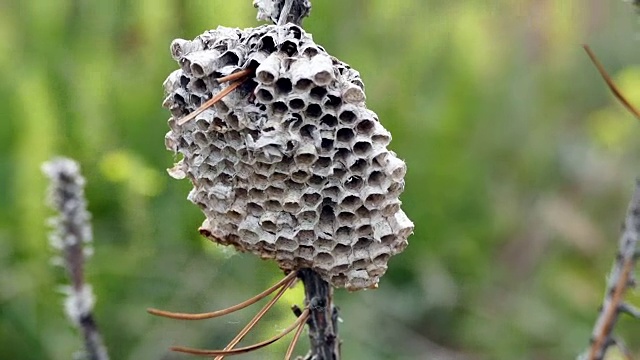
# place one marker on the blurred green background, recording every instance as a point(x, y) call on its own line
point(520, 163)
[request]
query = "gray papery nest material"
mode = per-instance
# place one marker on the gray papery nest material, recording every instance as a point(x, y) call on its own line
point(289, 165)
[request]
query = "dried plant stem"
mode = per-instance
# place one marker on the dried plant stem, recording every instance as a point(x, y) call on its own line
point(256, 318)
point(294, 341)
point(235, 76)
point(323, 318)
point(184, 316)
point(612, 86)
point(209, 103)
point(620, 279)
point(72, 236)
point(301, 319)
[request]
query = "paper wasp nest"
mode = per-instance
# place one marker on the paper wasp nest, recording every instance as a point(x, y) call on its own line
point(291, 165)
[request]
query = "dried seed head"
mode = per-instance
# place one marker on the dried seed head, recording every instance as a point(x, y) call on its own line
point(291, 166)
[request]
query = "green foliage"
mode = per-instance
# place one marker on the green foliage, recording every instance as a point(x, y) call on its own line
point(520, 167)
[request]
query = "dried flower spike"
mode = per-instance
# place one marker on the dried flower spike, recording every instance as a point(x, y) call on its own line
point(72, 236)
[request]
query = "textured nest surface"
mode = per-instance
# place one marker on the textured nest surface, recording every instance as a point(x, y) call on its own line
point(291, 165)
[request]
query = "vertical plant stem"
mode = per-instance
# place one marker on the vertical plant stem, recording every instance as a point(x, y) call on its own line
point(323, 317)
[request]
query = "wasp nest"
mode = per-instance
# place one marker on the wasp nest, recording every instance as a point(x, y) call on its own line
point(291, 165)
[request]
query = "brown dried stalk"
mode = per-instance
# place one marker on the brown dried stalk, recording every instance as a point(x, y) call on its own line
point(301, 320)
point(612, 86)
point(226, 91)
point(210, 315)
point(621, 278)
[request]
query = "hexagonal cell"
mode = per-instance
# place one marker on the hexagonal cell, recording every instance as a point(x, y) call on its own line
point(328, 121)
point(297, 104)
point(286, 244)
point(235, 215)
point(234, 139)
point(362, 148)
point(333, 101)
point(345, 135)
point(291, 205)
point(354, 183)
point(346, 217)
point(306, 237)
point(313, 111)
point(268, 222)
point(364, 230)
point(391, 208)
point(344, 234)
point(351, 202)
point(294, 185)
point(272, 205)
point(306, 155)
point(348, 115)
point(300, 176)
point(269, 69)
point(308, 217)
point(279, 108)
point(324, 260)
point(332, 192)
point(303, 84)
point(278, 177)
point(339, 280)
point(359, 167)
point(274, 191)
point(264, 94)
point(254, 209)
point(200, 63)
point(318, 93)
point(311, 199)
point(283, 86)
point(363, 212)
point(249, 236)
point(260, 182)
point(376, 179)
point(306, 252)
point(284, 255)
point(374, 201)
point(232, 121)
point(381, 138)
point(317, 181)
point(322, 69)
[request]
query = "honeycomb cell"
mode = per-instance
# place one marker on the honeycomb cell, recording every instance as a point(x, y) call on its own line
point(279, 107)
point(353, 94)
point(313, 111)
point(354, 183)
point(269, 70)
point(348, 115)
point(264, 94)
point(272, 205)
point(297, 104)
point(329, 121)
point(345, 135)
point(351, 202)
point(268, 222)
point(311, 199)
point(283, 86)
point(306, 252)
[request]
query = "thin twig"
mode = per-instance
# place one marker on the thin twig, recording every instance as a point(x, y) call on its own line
point(256, 318)
point(185, 316)
point(612, 86)
point(301, 319)
point(209, 103)
point(235, 76)
point(294, 341)
point(620, 279)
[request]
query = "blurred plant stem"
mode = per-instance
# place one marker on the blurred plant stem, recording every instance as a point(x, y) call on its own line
point(71, 236)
